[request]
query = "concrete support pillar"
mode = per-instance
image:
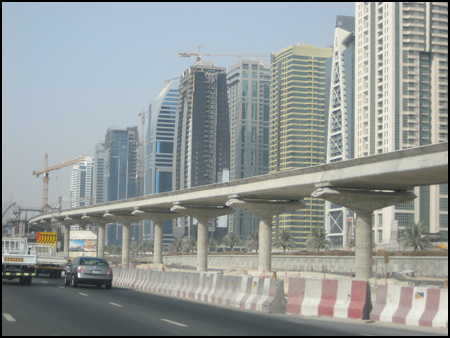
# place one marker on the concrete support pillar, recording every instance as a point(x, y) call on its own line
point(101, 222)
point(363, 240)
point(68, 221)
point(364, 203)
point(125, 244)
point(202, 245)
point(126, 221)
point(101, 240)
point(158, 243)
point(66, 239)
point(159, 217)
point(265, 244)
point(203, 215)
point(265, 210)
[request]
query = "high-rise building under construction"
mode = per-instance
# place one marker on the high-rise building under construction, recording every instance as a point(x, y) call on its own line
point(202, 137)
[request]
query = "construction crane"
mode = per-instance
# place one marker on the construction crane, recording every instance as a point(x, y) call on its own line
point(199, 55)
point(47, 169)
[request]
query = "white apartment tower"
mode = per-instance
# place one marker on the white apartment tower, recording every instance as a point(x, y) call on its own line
point(401, 96)
point(81, 183)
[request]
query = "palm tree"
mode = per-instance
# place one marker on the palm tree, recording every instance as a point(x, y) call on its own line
point(318, 239)
point(189, 244)
point(253, 242)
point(148, 246)
point(414, 236)
point(134, 248)
point(352, 243)
point(212, 244)
point(231, 240)
point(285, 240)
point(177, 245)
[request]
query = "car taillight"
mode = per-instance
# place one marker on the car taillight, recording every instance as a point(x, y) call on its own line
point(110, 271)
point(80, 269)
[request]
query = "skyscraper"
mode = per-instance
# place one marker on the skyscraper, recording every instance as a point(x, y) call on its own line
point(159, 145)
point(99, 173)
point(81, 183)
point(120, 174)
point(401, 98)
point(202, 139)
point(121, 165)
point(249, 103)
point(340, 140)
point(297, 132)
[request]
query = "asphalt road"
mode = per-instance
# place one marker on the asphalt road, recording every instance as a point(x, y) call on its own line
point(49, 308)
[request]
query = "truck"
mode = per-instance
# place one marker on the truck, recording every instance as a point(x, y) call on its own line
point(17, 262)
point(48, 260)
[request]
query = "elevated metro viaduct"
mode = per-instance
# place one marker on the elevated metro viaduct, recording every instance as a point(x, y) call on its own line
point(363, 185)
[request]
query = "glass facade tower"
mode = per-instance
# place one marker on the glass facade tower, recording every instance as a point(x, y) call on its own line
point(249, 103)
point(159, 150)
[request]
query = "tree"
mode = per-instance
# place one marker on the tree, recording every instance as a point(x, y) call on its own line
point(231, 240)
point(189, 244)
point(212, 244)
point(148, 246)
point(352, 243)
point(318, 239)
point(253, 242)
point(177, 245)
point(414, 237)
point(285, 240)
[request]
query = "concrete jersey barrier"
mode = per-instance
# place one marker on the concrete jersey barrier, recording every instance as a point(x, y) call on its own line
point(418, 306)
point(332, 298)
point(266, 295)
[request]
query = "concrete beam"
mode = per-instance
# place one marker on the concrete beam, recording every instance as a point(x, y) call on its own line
point(203, 215)
point(265, 210)
point(364, 203)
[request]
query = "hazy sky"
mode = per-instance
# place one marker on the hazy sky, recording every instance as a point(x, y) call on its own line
point(71, 70)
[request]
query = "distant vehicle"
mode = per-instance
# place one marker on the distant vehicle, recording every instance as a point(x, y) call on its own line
point(89, 270)
point(16, 261)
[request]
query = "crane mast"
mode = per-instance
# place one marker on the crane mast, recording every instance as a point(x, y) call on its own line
point(46, 179)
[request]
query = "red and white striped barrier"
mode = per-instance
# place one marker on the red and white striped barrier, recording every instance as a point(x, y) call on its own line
point(418, 306)
point(332, 298)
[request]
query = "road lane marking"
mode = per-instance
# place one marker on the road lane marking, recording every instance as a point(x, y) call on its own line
point(174, 323)
point(44, 282)
point(61, 287)
point(118, 305)
point(8, 317)
point(83, 294)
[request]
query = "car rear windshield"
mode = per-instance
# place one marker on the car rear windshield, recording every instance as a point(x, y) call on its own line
point(92, 261)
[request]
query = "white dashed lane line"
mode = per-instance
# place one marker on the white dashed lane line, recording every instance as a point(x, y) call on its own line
point(174, 323)
point(118, 305)
point(83, 294)
point(8, 317)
